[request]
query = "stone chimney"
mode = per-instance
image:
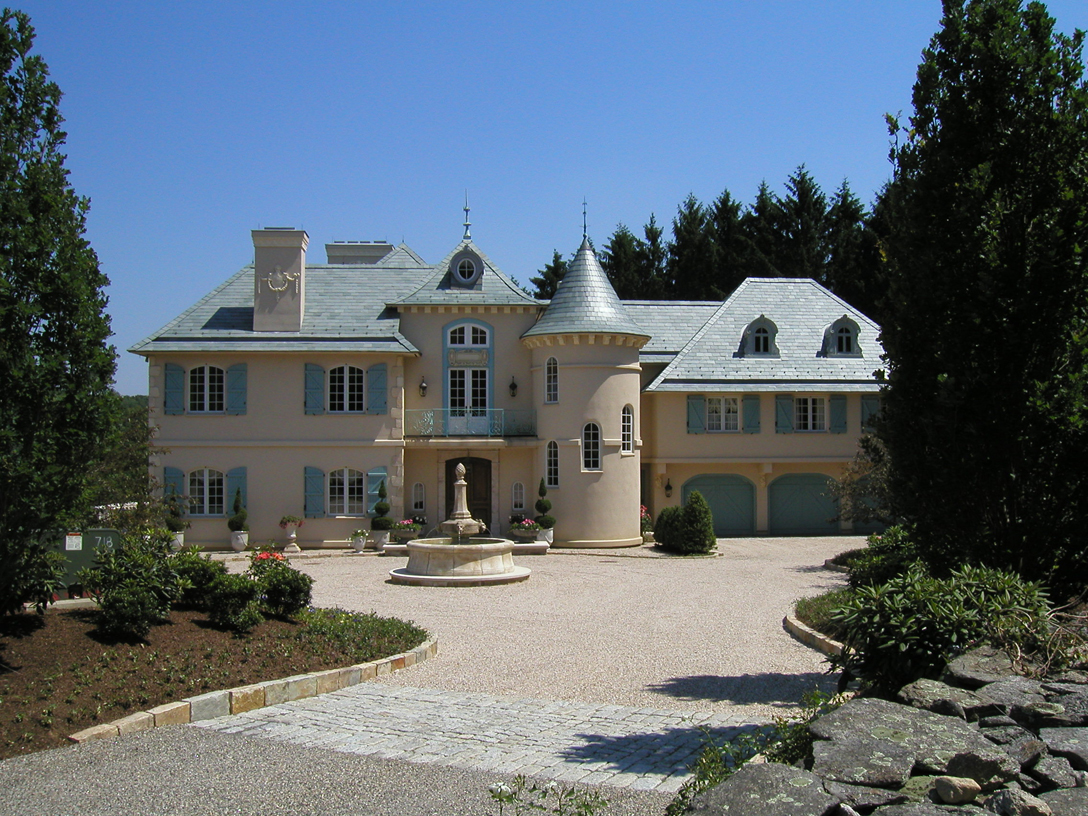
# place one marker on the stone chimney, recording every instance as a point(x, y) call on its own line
point(279, 279)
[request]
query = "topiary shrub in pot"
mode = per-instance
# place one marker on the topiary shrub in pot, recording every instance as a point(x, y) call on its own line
point(546, 521)
point(381, 524)
point(175, 521)
point(238, 524)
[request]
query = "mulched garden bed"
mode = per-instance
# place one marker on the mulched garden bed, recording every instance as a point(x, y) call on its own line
point(58, 675)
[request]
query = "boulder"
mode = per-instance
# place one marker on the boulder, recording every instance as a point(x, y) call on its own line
point(1071, 743)
point(956, 790)
point(1066, 802)
point(978, 667)
point(1054, 772)
point(862, 797)
point(767, 790)
point(941, 698)
point(1017, 803)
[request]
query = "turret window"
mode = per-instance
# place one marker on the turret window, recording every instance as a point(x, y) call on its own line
point(627, 430)
point(551, 380)
point(551, 470)
point(591, 446)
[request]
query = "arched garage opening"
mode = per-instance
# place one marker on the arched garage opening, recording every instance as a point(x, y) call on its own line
point(802, 504)
point(732, 501)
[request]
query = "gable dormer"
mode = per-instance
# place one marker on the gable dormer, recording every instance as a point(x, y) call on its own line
point(760, 338)
point(841, 338)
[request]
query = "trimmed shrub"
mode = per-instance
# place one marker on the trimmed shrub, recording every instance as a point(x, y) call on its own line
point(174, 518)
point(381, 520)
point(668, 528)
point(888, 555)
point(235, 603)
point(697, 525)
point(910, 627)
point(238, 523)
point(196, 575)
point(543, 505)
point(285, 590)
point(819, 612)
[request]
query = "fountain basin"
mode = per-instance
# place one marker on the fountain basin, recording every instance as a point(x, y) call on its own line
point(437, 562)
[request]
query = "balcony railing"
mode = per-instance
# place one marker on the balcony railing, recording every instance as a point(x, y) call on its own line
point(438, 422)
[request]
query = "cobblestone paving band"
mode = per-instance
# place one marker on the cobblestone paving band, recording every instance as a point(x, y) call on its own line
point(639, 748)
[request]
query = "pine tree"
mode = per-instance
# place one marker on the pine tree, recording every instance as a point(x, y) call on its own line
point(692, 262)
point(733, 250)
point(652, 261)
point(802, 250)
point(853, 269)
point(548, 281)
point(620, 261)
point(56, 404)
point(762, 224)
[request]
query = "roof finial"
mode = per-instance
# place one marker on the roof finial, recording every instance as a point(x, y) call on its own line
point(468, 223)
point(585, 231)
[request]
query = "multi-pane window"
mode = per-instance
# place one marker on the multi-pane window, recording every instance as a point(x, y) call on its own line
point(551, 470)
point(810, 414)
point(468, 336)
point(347, 492)
point(346, 389)
point(762, 341)
point(844, 340)
point(468, 391)
point(591, 446)
point(551, 380)
point(206, 389)
point(517, 497)
point(419, 498)
point(722, 414)
point(466, 269)
point(627, 429)
point(206, 492)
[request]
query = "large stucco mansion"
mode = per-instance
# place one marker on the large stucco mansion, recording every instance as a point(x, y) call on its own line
point(305, 386)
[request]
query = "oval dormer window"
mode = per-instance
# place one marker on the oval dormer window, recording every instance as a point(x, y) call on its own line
point(465, 269)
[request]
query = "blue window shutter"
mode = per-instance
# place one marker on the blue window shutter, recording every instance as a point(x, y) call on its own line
point(870, 407)
point(783, 413)
point(696, 414)
point(751, 413)
point(315, 389)
point(374, 479)
point(236, 479)
point(837, 403)
point(236, 389)
point(174, 390)
point(173, 481)
point(315, 493)
point(375, 389)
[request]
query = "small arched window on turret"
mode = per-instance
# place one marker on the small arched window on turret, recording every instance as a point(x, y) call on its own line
point(841, 339)
point(760, 338)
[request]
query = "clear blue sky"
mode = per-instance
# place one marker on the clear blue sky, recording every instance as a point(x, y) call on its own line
point(189, 124)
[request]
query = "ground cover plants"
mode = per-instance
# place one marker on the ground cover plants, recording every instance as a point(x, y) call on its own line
point(66, 670)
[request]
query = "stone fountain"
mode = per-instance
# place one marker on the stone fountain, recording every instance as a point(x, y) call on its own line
point(457, 559)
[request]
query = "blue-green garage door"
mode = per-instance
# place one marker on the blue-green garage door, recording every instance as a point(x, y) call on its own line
point(732, 501)
point(801, 504)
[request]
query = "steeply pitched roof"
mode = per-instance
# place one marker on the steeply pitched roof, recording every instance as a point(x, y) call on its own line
point(585, 302)
point(492, 288)
point(714, 359)
point(674, 323)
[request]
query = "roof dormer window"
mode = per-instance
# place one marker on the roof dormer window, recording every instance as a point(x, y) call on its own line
point(841, 339)
point(760, 338)
point(465, 269)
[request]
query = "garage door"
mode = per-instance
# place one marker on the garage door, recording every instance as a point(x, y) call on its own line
point(732, 501)
point(801, 504)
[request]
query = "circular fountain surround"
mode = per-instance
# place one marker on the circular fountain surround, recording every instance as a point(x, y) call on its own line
point(459, 560)
point(437, 562)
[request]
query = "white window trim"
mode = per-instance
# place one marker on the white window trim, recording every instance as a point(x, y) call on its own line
point(347, 368)
point(627, 430)
point(722, 415)
point(592, 448)
point(815, 407)
point(419, 497)
point(517, 502)
point(205, 377)
point(203, 493)
point(551, 465)
point(551, 381)
point(339, 505)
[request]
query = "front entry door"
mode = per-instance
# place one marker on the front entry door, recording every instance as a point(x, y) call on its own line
point(478, 476)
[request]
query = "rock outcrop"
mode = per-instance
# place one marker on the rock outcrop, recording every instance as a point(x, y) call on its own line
point(984, 741)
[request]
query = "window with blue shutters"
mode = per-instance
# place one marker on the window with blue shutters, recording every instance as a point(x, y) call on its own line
point(315, 389)
point(376, 400)
point(314, 487)
point(750, 406)
point(836, 404)
point(783, 413)
point(174, 389)
point(207, 390)
point(207, 495)
point(236, 389)
point(346, 389)
point(696, 414)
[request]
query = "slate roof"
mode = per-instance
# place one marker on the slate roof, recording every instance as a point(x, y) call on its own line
point(801, 309)
point(345, 311)
point(585, 302)
point(674, 323)
point(493, 287)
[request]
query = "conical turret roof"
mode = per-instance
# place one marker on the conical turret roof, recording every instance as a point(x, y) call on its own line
point(585, 302)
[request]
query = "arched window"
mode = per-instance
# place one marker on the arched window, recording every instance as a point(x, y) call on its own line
point(551, 380)
point(760, 338)
point(763, 341)
point(591, 446)
point(206, 389)
point(206, 492)
point(419, 498)
point(551, 470)
point(517, 497)
point(845, 339)
point(627, 429)
point(347, 492)
point(469, 336)
point(346, 389)
point(841, 338)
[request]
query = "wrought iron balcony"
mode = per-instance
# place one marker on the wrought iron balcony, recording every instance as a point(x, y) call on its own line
point(497, 422)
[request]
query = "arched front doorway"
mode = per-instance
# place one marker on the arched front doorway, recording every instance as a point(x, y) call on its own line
point(478, 476)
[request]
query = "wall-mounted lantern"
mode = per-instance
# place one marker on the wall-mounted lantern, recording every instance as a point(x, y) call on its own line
point(513, 387)
point(668, 489)
point(422, 387)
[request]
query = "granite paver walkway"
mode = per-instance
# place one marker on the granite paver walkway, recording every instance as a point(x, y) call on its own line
point(618, 746)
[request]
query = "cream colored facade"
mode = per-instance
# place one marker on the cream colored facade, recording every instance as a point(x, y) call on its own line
point(304, 386)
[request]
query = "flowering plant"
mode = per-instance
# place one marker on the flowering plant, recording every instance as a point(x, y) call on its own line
point(524, 526)
point(645, 519)
point(406, 524)
point(289, 521)
point(360, 533)
point(262, 559)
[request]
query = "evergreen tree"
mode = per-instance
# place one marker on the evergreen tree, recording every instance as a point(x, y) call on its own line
point(550, 276)
point(652, 262)
point(733, 250)
point(56, 367)
point(692, 254)
point(853, 265)
point(986, 409)
point(620, 261)
point(802, 226)
point(762, 224)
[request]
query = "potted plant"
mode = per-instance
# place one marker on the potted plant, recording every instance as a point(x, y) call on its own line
point(405, 529)
point(358, 539)
point(381, 524)
point(291, 524)
point(175, 521)
point(546, 522)
point(522, 528)
point(646, 523)
point(237, 524)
